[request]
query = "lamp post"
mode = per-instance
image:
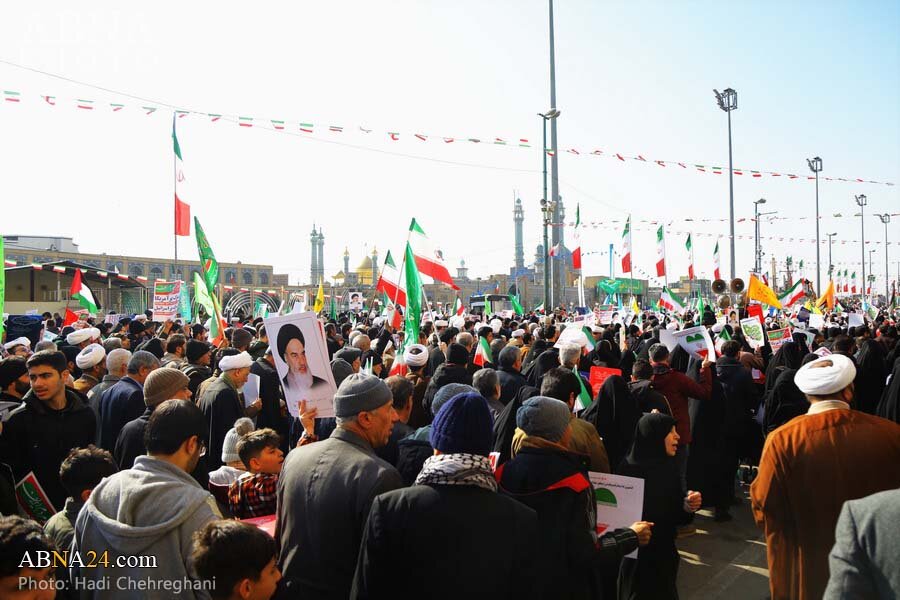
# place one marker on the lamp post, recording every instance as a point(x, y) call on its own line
point(815, 165)
point(830, 265)
point(728, 102)
point(885, 218)
point(871, 273)
point(547, 208)
point(756, 255)
point(861, 201)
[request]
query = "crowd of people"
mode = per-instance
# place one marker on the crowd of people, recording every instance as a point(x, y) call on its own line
point(443, 474)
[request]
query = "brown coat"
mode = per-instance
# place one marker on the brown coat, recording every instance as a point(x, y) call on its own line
point(809, 467)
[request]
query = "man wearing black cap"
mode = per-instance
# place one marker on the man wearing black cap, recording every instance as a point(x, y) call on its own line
point(326, 489)
point(13, 383)
point(197, 367)
point(452, 371)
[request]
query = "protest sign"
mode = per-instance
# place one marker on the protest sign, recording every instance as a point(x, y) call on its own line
point(251, 389)
point(778, 338)
point(301, 360)
point(816, 321)
point(113, 318)
point(753, 332)
point(599, 375)
point(667, 339)
point(620, 501)
point(604, 313)
point(184, 304)
point(855, 319)
point(166, 299)
point(33, 499)
point(696, 341)
point(755, 310)
point(356, 301)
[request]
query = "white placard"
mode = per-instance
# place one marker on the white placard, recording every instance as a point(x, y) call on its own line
point(816, 321)
point(667, 339)
point(251, 389)
point(753, 332)
point(697, 342)
point(855, 320)
point(620, 501)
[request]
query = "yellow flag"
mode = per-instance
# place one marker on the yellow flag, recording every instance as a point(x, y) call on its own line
point(760, 291)
point(827, 296)
point(320, 299)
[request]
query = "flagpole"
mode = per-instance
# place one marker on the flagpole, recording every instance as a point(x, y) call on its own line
point(665, 266)
point(174, 198)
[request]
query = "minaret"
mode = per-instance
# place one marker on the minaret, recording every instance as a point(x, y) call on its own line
point(519, 219)
point(539, 259)
point(346, 262)
point(374, 265)
point(462, 272)
point(314, 256)
point(321, 241)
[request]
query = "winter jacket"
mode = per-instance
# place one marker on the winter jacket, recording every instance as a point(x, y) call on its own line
point(677, 388)
point(119, 404)
point(510, 382)
point(197, 374)
point(446, 373)
point(324, 495)
point(151, 510)
point(221, 406)
point(554, 483)
point(270, 393)
point(412, 452)
point(61, 526)
point(37, 438)
point(739, 393)
point(454, 541)
point(130, 443)
point(647, 397)
point(257, 349)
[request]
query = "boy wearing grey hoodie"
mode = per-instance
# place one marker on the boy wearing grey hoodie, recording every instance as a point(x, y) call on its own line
point(145, 516)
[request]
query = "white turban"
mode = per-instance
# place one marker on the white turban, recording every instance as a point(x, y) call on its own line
point(236, 361)
point(440, 323)
point(518, 333)
point(458, 322)
point(140, 317)
point(496, 324)
point(22, 341)
point(90, 356)
point(79, 336)
point(718, 327)
point(826, 375)
point(416, 355)
point(95, 333)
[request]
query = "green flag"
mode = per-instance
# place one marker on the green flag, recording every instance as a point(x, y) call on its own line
point(488, 309)
point(208, 263)
point(201, 295)
point(413, 315)
point(584, 396)
point(332, 313)
point(517, 308)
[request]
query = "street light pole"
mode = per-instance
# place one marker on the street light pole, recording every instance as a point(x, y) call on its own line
point(871, 273)
point(885, 218)
point(547, 208)
point(757, 257)
point(815, 165)
point(861, 201)
point(728, 102)
point(830, 265)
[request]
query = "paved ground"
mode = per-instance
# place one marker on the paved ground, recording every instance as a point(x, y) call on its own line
point(724, 560)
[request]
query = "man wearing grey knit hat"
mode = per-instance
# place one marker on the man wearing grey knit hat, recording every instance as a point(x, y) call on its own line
point(161, 385)
point(335, 480)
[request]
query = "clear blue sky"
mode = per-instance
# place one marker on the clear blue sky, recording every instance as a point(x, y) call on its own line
point(637, 77)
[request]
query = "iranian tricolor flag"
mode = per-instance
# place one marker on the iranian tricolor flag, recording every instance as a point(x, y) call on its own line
point(390, 283)
point(660, 252)
point(584, 396)
point(482, 352)
point(721, 339)
point(429, 259)
point(690, 248)
point(399, 366)
point(670, 302)
point(853, 283)
point(793, 295)
point(81, 292)
point(539, 308)
point(626, 247)
point(576, 253)
point(182, 209)
point(458, 308)
point(717, 273)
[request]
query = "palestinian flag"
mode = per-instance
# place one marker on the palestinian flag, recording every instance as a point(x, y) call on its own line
point(458, 308)
point(670, 302)
point(390, 282)
point(584, 396)
point(717, 274)
point(576, 253)
point(81, 292)
point(482, 352)
point(182, 209)
point(660, 252)
point(690, 248)
point(793, 295)
point(428, 258)
point(626, 247)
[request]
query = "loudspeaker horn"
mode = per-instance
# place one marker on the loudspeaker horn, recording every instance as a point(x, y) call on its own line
point(719, 286)
point(737, 285)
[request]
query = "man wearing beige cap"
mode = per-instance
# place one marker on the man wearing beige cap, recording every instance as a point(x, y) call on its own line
point(810, 466)
point(91, 361)
point(161, 385)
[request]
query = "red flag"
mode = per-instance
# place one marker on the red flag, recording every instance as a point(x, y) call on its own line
point(182, 217)
point(70, 316)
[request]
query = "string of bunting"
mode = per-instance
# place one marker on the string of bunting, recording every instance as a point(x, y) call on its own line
point(15, 97)
point(655, 222)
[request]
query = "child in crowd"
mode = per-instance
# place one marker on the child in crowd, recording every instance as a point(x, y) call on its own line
point(18, 537)
point(239, 558)
point(79, 473)
point(253, 494)
point(233, 467)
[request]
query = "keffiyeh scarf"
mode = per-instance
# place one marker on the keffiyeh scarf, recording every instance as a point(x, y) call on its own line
point(458, 469)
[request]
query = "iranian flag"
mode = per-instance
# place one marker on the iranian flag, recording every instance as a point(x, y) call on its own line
point(482, 352)
point(584, 396)
point(717, 273)
point(853, 283)
point(182, 209)
point(690, 248)
point(81, 292)
point(793, 295)
point(670, 302)
point(458, 308)
point(660, 252)
point(626, 247)
point(721, 339)
point(390, 283)
point(429, 259)
point(539, 308)
point(576, 253)
point(399, 366)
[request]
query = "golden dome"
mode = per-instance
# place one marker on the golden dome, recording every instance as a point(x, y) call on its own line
point(365, 265)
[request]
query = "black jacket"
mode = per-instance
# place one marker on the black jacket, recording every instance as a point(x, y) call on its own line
point(391, 451)
point(446, 373)
point(740, 393)
point(454, 541)
point(130, 443)
point(505, 423)
point(197, 374)
point(121, 403)
point(270, 393)
point(221, 406)
point(647, 398)
point(555, 484)
point(510, 382)
point(38, 439)
point(412, 452)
